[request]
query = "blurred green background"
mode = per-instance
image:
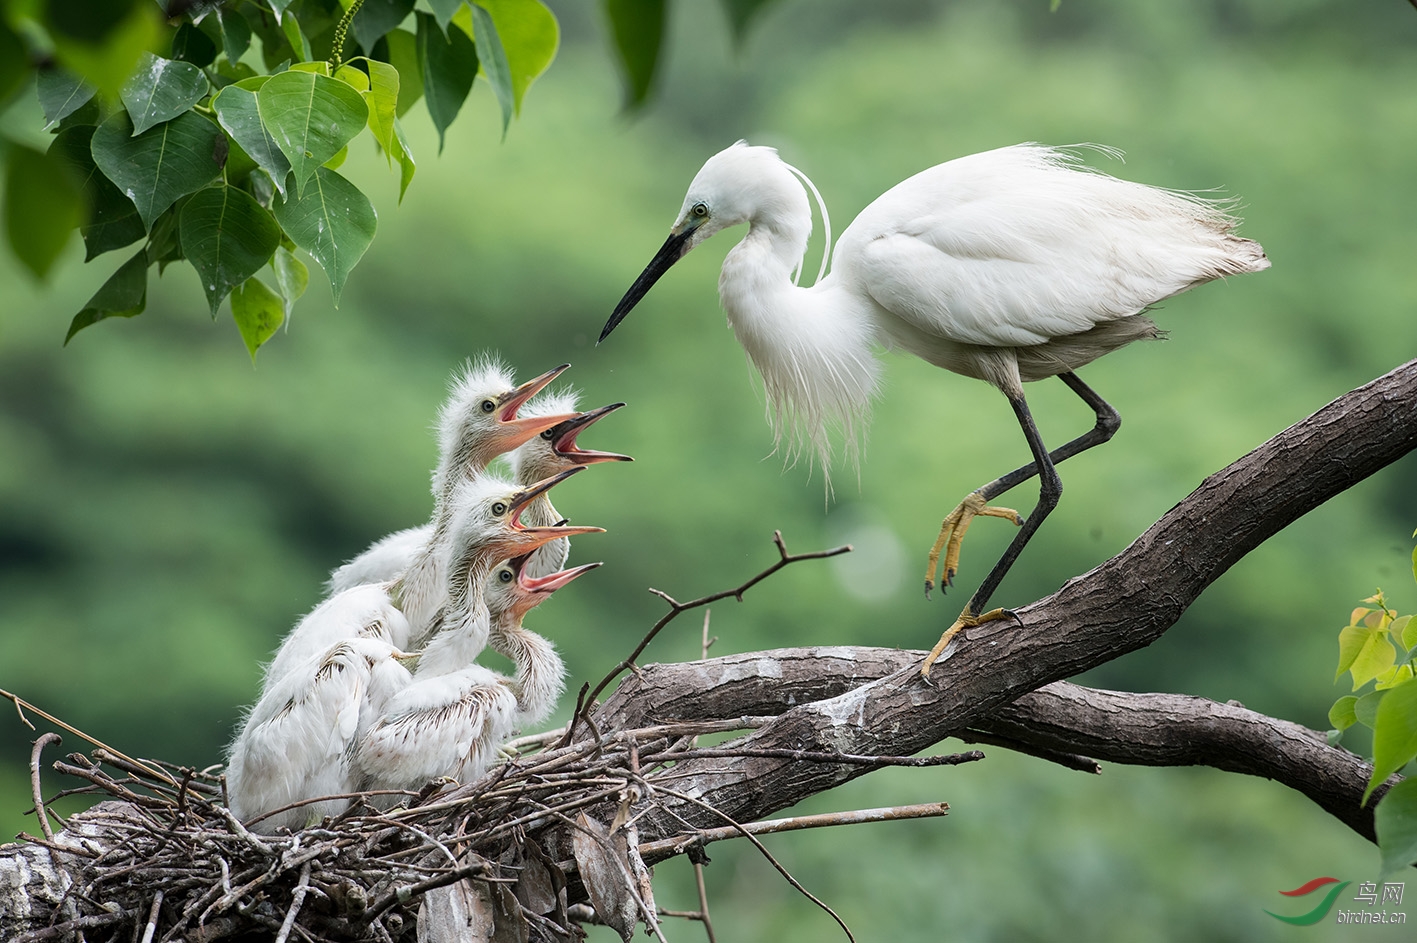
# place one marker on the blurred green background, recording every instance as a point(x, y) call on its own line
point(167, 512)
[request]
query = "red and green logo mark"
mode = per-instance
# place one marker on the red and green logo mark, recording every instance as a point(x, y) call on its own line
point(1319, 912)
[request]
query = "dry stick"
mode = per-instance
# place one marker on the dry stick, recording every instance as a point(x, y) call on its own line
point(21, 703)
point(676, 607)
point(39, 808)
point(704, 836)
point(743, 830)
point(343, 795)
point(846, 759)
point(296, 903)
point(703, 893)
point(151, 928)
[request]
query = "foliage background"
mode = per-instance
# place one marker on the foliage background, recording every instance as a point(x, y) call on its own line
point(167, 512)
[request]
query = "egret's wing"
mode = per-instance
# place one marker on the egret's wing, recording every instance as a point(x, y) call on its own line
point(384, 560)
point(1016, 246)
point(437, 727)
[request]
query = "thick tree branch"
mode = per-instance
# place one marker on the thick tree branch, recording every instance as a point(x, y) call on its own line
point(1122, 605)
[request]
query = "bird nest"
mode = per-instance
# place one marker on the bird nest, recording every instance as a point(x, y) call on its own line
point(542, 843)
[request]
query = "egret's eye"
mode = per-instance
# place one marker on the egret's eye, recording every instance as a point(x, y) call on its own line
point(700, 210)
point(498, 509)
point(488, 406)
point(505, 575)
point(549, 434)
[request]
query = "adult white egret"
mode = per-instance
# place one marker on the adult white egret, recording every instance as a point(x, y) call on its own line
point(476, 423)
point(555, 450)
point(450, 720)
point(1009, 266)
point(295, 742)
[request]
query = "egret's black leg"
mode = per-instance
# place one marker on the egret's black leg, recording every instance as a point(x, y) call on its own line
point(1049, 491)
point(954, 526)
point(1108, 422)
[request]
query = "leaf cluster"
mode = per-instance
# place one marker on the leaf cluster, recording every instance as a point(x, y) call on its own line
point(1376, 649)
point(214, 136)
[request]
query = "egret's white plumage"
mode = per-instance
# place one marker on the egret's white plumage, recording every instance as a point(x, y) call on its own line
point(336, 671)
point(295, 742)
point(476, 423)
point(450, 720)
point(1009, 266)
point(551, 452)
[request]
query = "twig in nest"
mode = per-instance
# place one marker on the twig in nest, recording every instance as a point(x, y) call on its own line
point(151, 929)
point(676, 607)
point(849, 759)
point(39, 808)
point(297, 901)
point(743, 830)
point(699, 880)
point(20, 703)
point(703, 836)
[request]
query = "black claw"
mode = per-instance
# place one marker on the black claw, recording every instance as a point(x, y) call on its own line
point(929, 585)
point(1009, 613)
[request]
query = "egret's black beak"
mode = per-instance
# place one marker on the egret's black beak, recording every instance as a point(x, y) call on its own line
point(669, 253)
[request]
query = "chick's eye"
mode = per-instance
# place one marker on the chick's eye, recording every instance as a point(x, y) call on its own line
point(488, 406)
point(700, 210)
point(548, 435)
point(505, 576)
point(499, 509)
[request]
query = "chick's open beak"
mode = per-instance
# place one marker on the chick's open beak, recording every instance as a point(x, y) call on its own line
point(529, 538)
point(511, 431)
point(563, 438)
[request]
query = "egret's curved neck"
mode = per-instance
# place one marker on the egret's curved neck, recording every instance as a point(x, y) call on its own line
point(466, 623)
point(539, 671)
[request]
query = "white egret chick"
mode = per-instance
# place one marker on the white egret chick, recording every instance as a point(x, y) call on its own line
point(555, 450)
point(512, 592)
point(450, 720)
point(1008, 266)
point(476, 423)
point(295, 742)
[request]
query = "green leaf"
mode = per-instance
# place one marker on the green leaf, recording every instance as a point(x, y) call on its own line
point(124, 295)
point(403, 55)
point(1392, 677)
point(258, 313)
point(61, 93)
point(382, 99)
point(376, 18)
point(404, 156)
point(1396, 822)
point(1377, 656)
point(14, 62)
point(279, 6)
point(235, 33)
point(530, 37)
point(292, 277)
point(111, 221)
point(448, 65)
point(1366, 710)
point(310, 117)
point(1351, 639)
point(165, 240)
point(291, 27)
point(320, 67)
point(192, 45)
point(740, 16)
point(161, 90)
point(332, 221)
point(238, 113)
point(1394, 734)
point(493, 59)
point(637, 27)
point(108, 61)
point(353, 77)
point(1341, 714)
point(228, 237)
point(161, 164)
point(43, 205)
point(1408, 631)
point(443, 11)
point(336, 162)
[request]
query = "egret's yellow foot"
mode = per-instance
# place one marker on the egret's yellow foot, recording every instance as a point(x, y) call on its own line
point(966, 620)
point(952, 531)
